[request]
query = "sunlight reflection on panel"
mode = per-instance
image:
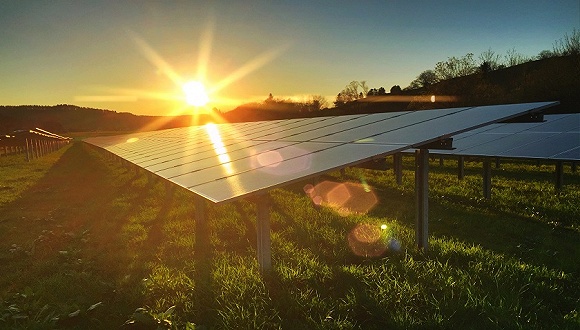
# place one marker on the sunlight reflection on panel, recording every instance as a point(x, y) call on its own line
point(345, 198)
point(219, 148)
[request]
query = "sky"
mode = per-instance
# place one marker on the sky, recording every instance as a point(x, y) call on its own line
point(134, 56)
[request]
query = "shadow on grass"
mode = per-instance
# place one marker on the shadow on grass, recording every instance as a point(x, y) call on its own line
point(69, 226)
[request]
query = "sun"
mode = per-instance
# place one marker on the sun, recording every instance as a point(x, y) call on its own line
point(195, 93)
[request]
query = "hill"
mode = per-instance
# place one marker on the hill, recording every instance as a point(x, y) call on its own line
point(550, 79)
point(70, 118)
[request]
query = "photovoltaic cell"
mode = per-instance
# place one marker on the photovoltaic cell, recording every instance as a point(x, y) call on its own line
point(557, 138)
point(222, 162)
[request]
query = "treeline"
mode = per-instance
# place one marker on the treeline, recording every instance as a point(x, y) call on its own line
point(552, 75)
point(489, 61)
point(64, 118)
point(549, 79)
point(458, 81)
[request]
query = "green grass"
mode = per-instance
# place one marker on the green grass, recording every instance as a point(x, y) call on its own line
point(88, 243)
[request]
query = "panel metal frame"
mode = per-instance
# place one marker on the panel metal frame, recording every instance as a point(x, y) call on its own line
point(360, 138)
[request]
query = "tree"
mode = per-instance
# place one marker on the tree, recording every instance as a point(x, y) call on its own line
point(514, 58)
point(351, 92)
point(365, 88)
point(569, 45)
point(339, 100)
point(485, 67)
point(318, 102)
point(455, 67)
point(424, 79)
point(491, 60)
point(395, 90)
point(544, 54)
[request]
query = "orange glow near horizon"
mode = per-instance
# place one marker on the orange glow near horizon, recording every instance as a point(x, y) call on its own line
point(190, 97)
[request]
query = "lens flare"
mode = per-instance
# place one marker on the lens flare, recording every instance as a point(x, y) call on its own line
point(281, 160)
point(366, 240)
point(270, 158)
point(345, 198)
point(370, 240)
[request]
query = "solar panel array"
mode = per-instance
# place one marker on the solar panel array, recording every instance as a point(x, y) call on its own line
point(557, 138)
point(222, 162)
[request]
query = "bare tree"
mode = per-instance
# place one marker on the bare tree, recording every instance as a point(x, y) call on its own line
point(514, 58)
point(318, 102)
point(455, 67)
point(351, 92)
point(569, 45)
point(365, 88)
point(492, 59)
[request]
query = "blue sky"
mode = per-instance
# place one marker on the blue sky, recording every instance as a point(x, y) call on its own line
point(132, 55)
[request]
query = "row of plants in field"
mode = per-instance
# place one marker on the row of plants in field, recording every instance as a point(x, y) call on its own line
point(131, 257)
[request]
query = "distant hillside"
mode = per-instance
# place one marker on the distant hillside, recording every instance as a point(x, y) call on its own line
point(551, 79)
point(64, 118)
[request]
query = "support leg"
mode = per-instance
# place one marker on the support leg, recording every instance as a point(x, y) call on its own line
point(461, 168)
point(487, 179)
point(422, 198)
point(27, 151)
point(559, 175)
point(398, 167)
point(263, 233)
point(201, 231)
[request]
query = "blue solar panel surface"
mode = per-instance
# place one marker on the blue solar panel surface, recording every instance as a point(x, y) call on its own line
point(222, 162)
point(557, 138)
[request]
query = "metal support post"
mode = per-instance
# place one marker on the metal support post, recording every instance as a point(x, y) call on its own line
point(36, 148)
point(263, 234)
point(559, 175)
point(201, 228)
point(27, 152)
point(461, 168)
point(487, 179)
point(398, 167)
point(422, 198)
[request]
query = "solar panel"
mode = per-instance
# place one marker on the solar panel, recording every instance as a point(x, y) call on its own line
point(222, 162)
point(557, 138)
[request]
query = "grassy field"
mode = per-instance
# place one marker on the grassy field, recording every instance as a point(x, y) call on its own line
point(88, 243)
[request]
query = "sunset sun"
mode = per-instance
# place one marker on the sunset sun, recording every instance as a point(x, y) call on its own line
point(195, 93)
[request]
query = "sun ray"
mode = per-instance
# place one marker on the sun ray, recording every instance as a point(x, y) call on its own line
point(200, 109)
point(205, 46)
point(250, 66)
point(156, 59)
